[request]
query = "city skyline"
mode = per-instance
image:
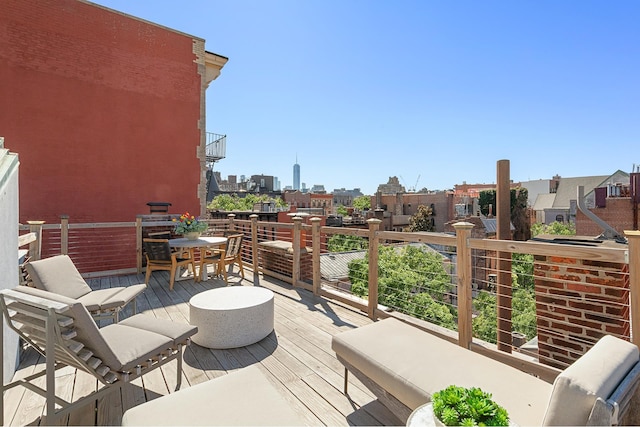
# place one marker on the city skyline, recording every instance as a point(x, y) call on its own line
point(395, 181)
point(362, 91)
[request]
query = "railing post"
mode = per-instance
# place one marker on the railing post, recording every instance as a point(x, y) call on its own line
point(254, 242)
point(64, 234)
point(35, 247)
point(633, 237)
point(297, 229)
point(465, 303)
point(315, 254)
point(505, 282)
point(139, 244)
point(374, 225)
point(232, 225)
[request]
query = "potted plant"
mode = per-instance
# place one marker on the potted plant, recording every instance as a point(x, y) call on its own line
point(459, 406)
point(189, 226)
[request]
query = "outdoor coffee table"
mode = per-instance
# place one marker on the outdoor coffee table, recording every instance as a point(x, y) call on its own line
point(234, 316)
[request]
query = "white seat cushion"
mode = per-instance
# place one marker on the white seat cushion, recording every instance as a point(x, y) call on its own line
point(412, 364)
point(59, 275)
point(241, 398)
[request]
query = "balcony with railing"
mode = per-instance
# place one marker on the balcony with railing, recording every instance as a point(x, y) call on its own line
point(536, 306)
point(216, 147)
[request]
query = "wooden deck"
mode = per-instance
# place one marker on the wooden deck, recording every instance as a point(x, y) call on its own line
point(297, 355)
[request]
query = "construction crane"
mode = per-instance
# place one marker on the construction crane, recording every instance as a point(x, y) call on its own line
point(410, 189)
point(416, 184)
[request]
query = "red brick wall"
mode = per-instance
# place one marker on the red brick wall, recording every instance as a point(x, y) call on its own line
point(578, 301)
point(618, 213)
point(102, 109)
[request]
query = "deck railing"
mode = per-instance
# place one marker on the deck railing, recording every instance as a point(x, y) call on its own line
point(579, 292)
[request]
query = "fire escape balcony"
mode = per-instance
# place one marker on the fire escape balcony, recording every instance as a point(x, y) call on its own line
point(216, 147)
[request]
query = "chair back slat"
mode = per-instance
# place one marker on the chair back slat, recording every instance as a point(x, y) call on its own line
point(28, 312)
point(157, 249)
point(234, 245)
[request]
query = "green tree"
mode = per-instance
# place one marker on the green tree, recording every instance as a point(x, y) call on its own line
point(518, 210)
point(522, 271)
point(362, 202)
point(342, 210)
point(411, 280)
point(484, 324)
point(523, 318)
point(226, 202)
point(422, 220)
point(560, 228)
point(523, 314)
point(345, 243)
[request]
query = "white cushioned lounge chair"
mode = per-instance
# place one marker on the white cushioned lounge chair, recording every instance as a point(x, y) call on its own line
point(403, 366)
point(62, 330)
point(59, 275)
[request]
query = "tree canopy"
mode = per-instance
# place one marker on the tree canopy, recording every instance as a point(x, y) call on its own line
point(523, 303)
point(346, 243)
point(362, 202)
point(412, 280)
point(564, 229)
point(422, 220)
point(518, 210)
point(226, 202)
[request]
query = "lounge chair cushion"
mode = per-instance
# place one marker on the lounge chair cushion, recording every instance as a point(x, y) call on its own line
point(59, 275)
point(412, 364)
point(133, 346)
point(177, 332)
point(245, 397)
point(110, 298)
point(596, 374)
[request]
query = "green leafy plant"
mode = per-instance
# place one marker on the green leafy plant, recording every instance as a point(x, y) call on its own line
point(189, 223)
point(459, 406)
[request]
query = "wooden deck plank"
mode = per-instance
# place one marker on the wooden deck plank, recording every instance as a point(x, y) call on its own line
point(65, 379)
point(31, 408)
point(349, 410)
point(15, 399)
point(316, 403)
point(333, 372)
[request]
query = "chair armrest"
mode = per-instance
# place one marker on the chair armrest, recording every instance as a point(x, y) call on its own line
point(611, 411)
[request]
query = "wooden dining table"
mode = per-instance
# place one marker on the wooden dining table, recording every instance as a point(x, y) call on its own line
point(201, 243)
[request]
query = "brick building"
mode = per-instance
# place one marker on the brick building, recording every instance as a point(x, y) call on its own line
point(395, 210)
point(297, 199)
point(322, 201)
point(106, 111)
point(344, 197)
point(617, 204)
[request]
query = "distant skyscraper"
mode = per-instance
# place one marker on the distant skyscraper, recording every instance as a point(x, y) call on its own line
point(296, 175)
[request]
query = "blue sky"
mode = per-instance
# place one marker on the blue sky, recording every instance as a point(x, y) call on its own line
point(441, 90)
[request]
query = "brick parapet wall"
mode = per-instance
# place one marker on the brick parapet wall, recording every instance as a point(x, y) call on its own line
point(279, 259)
point(578, 302)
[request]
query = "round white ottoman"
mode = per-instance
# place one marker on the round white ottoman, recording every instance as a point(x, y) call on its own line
point(231, 317)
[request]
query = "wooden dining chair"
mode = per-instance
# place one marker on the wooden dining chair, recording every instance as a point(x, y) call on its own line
point(221, 258)
point(160, 256)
